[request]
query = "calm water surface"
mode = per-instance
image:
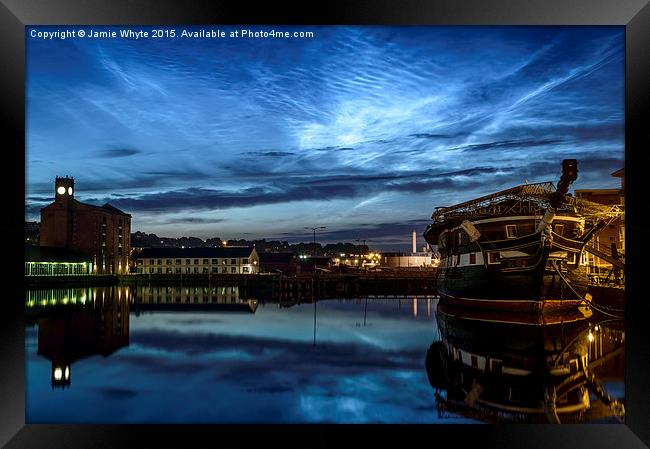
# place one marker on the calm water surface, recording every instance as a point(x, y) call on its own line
point(127, 355)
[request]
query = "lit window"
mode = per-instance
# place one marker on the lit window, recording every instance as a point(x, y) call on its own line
point(493, 258)
point(233, 269)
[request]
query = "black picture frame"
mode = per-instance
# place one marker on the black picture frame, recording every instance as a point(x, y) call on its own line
point(16, 14)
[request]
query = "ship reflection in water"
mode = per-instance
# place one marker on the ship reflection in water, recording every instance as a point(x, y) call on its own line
point(501, 367)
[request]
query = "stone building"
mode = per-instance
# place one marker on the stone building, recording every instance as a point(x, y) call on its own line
point(102, 232)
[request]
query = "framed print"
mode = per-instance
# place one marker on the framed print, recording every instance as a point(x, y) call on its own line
point(358, 222)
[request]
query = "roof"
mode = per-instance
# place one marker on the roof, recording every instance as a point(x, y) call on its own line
point(620, 173)
point(206, 252)
point(276, 257)
point(35, 253)
point(105, 208)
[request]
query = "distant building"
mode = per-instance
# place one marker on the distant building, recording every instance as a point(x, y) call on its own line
point(411, 260)
point(277, 262)
point(614, 233)
point(361, 261)
point(102, 232)
point(226, 260)
point(32, 231)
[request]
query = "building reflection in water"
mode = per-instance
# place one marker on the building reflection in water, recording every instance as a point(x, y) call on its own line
point(75, 323)
point(160, 297)
point(497, 367)
point(78, 323)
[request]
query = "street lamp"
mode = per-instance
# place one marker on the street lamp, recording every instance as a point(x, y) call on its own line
point(314, 229)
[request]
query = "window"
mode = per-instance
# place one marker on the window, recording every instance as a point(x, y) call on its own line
point(151, 261)
point(224, 270)
point(571, 258)
point(215, 269)
point(511, 231)
point(559, 229)
point(178, 261)
point(245, 270)
point(214, 261)
point(244, 261)
point(496, 366)
point(187, 269)
point(159, 270)
point(472, 258)
point(205, 269)
point(159, 261)
point(151, 269)
point(196, 261)
point(178, 269)
point(187, 261)
point(514, 395)
point(233, 261)
point(206, 261)
point(169, 261)
point(493, 258)
point(196, 269)
point(474, 362)
point(233, 269)
point(169, 270)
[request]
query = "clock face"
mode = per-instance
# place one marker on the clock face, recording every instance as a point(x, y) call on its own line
point(69, 190)
point(60, 190)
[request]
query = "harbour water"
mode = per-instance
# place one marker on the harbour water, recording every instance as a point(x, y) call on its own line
point(131, 355)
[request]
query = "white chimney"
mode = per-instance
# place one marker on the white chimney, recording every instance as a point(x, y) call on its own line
point(415, 245)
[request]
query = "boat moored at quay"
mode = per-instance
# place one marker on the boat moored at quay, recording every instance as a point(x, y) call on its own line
point(518, 249)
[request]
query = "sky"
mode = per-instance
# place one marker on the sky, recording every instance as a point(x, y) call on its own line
point(363, 130)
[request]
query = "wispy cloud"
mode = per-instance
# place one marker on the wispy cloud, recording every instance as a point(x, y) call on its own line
point(374, 117)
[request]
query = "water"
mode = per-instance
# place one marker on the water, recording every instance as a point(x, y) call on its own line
point(124, 355)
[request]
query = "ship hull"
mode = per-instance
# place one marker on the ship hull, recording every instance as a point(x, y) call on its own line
point(522, 305)
point(532, 273)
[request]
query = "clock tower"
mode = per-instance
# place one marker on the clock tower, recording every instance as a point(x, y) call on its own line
point(63, 188)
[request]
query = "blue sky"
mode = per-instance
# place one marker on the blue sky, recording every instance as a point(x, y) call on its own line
point(363, 130)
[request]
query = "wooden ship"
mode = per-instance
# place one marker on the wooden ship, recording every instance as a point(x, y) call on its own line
point(518, 249)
